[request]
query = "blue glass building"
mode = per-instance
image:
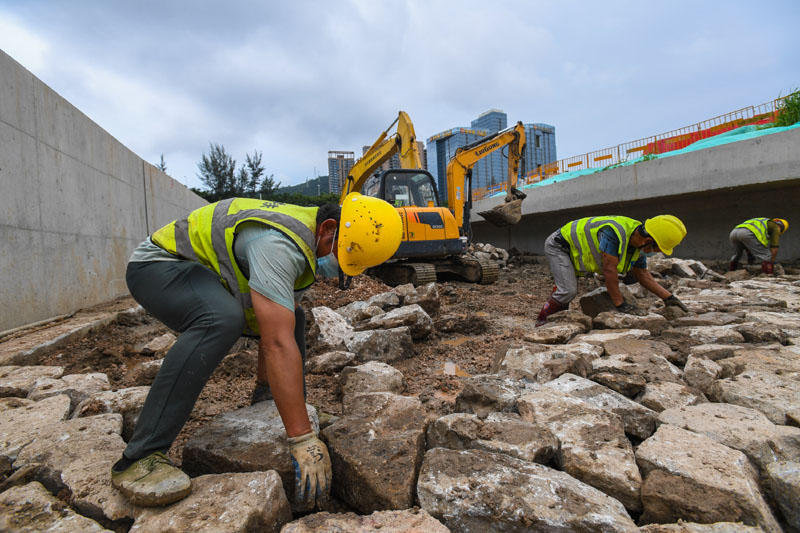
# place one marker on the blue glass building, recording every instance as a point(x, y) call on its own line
point(540, 148)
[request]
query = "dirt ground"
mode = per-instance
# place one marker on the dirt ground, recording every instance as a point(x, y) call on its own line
point(487, 318)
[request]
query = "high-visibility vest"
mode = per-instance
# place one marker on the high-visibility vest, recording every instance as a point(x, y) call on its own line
point(206, 235)
point(759, 228)
point(584, 244)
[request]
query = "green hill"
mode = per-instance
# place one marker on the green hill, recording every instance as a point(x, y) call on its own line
point(313, 187)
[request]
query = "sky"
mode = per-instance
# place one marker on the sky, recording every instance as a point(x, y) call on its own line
point(296, 79)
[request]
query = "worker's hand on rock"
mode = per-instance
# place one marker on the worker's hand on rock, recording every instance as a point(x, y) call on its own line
point(673, 300)
point(630, 309)
point(260, 393)
point(312, 468)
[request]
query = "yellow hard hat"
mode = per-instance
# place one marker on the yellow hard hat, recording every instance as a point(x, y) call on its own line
point(667, 230)
point(784, 222)
point(370, 231)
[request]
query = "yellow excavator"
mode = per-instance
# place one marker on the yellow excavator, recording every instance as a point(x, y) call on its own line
point(435, 238)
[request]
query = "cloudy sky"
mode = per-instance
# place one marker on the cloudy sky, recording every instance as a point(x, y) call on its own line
point(295, 79)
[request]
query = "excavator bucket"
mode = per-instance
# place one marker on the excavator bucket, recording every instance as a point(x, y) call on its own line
point(509, 212)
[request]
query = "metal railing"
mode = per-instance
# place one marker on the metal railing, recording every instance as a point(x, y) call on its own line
point(657, 144)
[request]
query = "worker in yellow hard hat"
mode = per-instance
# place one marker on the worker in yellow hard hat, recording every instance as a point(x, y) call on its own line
point(231, 268)
point(759, 237)
point(611, 245)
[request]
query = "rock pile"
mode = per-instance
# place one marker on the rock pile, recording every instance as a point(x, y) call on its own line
point(598, 421)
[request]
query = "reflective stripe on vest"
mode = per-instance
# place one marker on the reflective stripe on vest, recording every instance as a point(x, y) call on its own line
point(581, 235)
point(206, 235)
point(759, 228)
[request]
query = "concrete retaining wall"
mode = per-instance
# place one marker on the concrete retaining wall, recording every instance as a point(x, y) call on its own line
point(74, 202)
point(711, 190)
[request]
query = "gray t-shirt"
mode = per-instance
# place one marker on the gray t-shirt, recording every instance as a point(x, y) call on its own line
point(269, 260)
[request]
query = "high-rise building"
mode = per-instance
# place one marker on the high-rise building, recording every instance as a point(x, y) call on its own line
point(493, 169)
point(339, 165)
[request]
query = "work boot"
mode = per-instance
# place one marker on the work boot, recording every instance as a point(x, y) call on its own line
point(767, 267)
point(152, 481)
point(550, 307)
point(733, 266)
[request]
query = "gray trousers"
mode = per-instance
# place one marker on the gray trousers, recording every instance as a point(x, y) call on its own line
point(742, 238)
point(188, 298)
point(562, 270)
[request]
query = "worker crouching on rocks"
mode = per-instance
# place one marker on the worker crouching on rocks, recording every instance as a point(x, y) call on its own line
point(611, 245)
point(230, 268)
point(759, 238)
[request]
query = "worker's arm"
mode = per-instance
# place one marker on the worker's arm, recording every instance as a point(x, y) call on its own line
point(280, 363)
point(612, 279)
point(774, 252)
point(647, 281)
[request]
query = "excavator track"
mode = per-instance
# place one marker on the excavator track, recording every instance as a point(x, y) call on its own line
point(423, 273)
point(489, 271)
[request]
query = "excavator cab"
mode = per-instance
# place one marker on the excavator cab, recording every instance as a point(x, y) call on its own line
point(404, 188)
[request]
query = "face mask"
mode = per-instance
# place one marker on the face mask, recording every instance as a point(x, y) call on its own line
point(328, 266)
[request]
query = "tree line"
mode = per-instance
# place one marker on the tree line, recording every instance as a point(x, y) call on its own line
point(218, 172)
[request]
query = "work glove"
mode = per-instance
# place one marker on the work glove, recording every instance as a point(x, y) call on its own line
point(673, 300)
point(312, 469)
point(630, 309)
point(767, 267)
point(261, 393)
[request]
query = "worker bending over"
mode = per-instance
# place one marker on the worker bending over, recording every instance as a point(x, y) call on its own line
point(611, 245)
point(230, 268)
point(759, 237)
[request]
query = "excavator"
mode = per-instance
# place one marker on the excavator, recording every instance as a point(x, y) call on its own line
point(435, 237)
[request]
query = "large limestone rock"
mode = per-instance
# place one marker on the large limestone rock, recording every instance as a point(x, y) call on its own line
point(251, 439)
point(690, 527)
point(127, 402)
point(595, 302)
point(77, 386)
point(772, 394)
point(666, 395)
point(426, 296)
point(473, 491)
point(498, 433)
point(407, 521)
point(602, 336)
point(712, 318)
point(387, 345)
point(542, 362)
point(330, 362)
point(329, 330)
point(593, 448)
point(691, 477)
point(235, 503)
point(740, 428)
point(637, 347)
point(419, 323)
point(700, 373)
point(489, 393)
point(32, 508)
point(376, 451)
point(652, 368)
point(555, 333)
point(705, 334)
point(22, 420)
point(639, 421)
point(19, 380)
point(784, 482)
point(759, 332)
point(652, 322)
point(370, 377)
point(714, 352)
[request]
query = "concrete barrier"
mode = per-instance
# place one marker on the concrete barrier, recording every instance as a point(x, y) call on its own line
point(74, 202)
point(711, 190)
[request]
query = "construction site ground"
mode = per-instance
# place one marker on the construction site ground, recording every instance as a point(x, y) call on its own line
point(493, 315)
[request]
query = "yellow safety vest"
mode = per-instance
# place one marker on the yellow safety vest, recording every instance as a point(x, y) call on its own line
point(206, 235)
point(759, 228)
point(584, 245)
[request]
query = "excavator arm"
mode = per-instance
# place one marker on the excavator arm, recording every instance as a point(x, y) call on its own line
point(460, 166)
point(403, 142)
